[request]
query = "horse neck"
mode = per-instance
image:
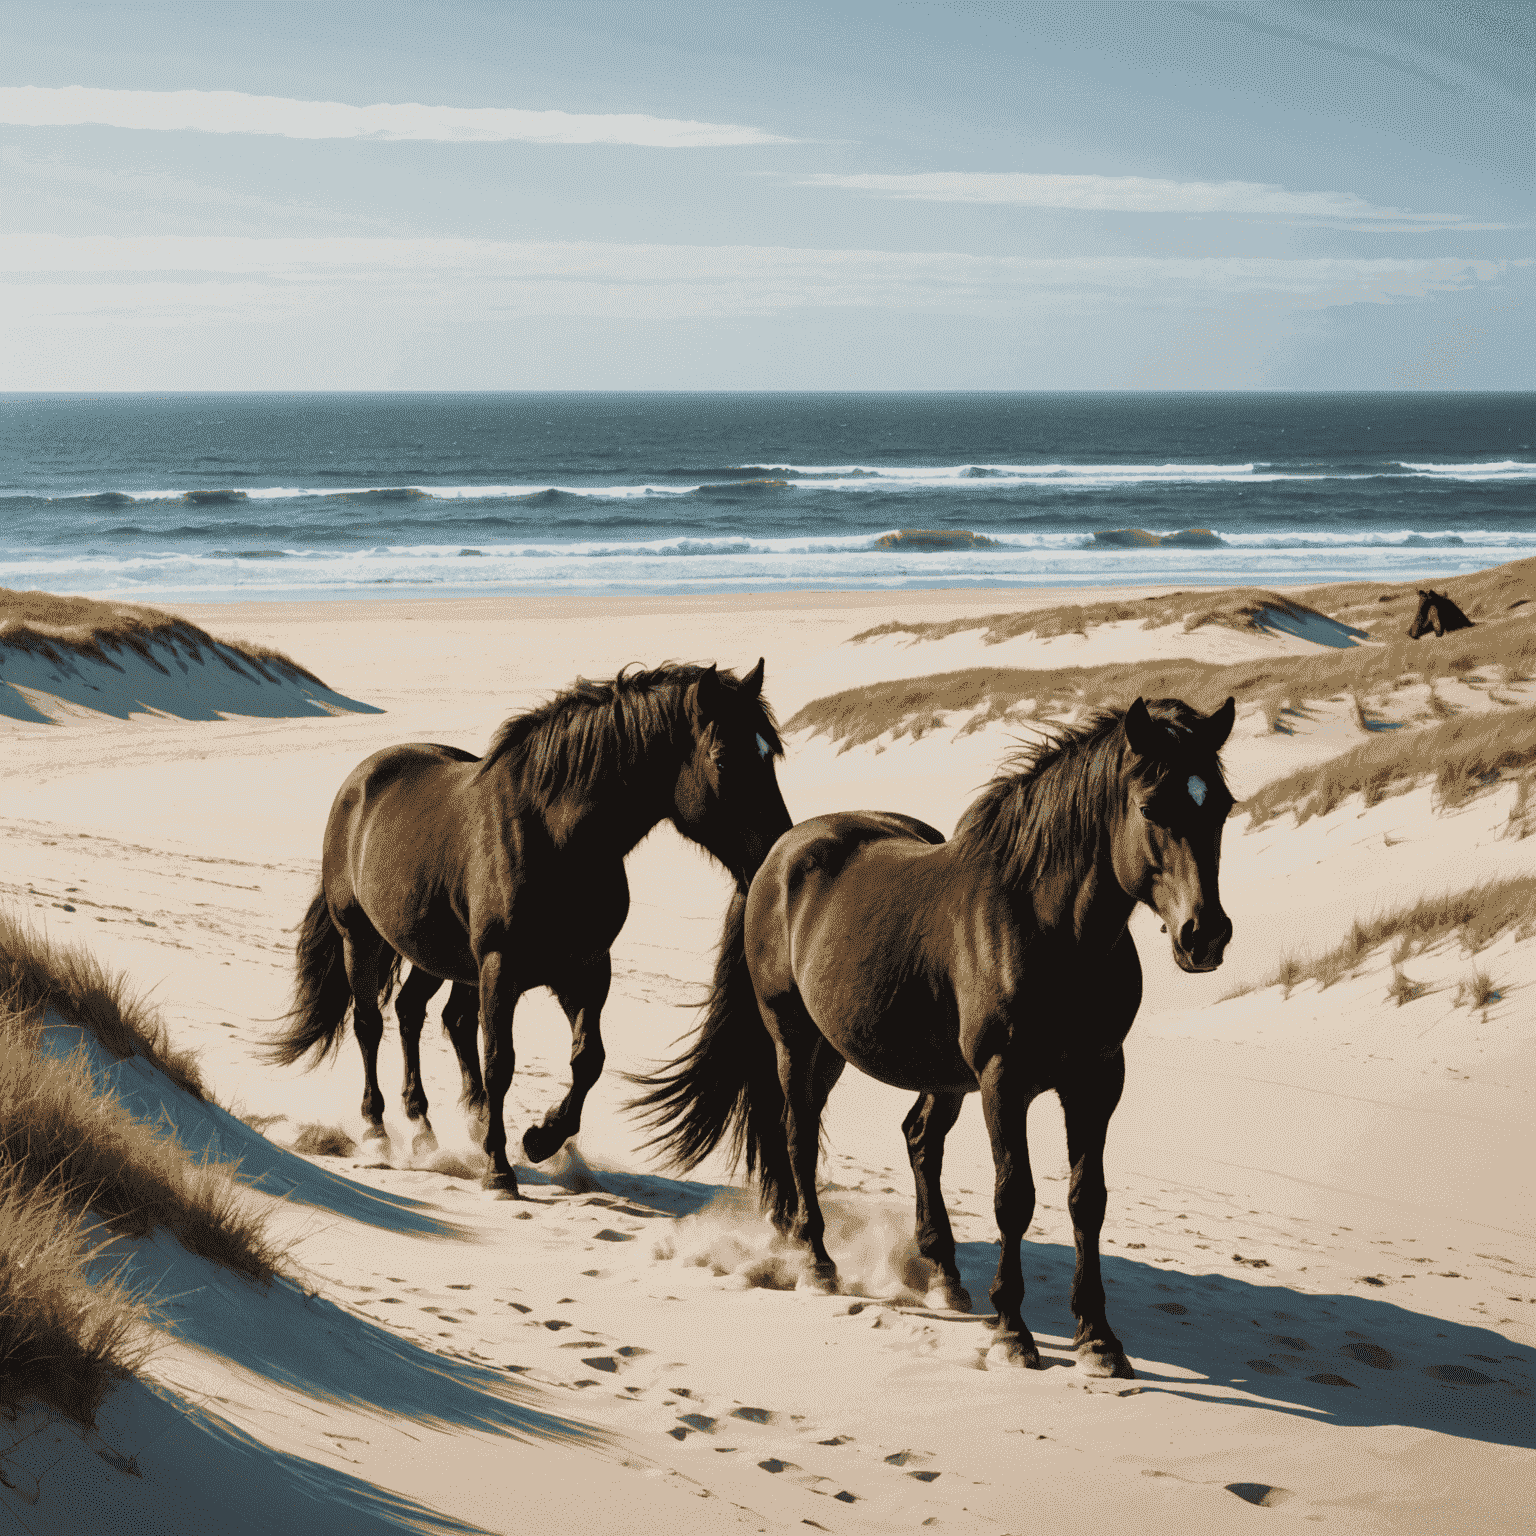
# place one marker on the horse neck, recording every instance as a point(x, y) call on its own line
point(607, 819)
point(1074, 898)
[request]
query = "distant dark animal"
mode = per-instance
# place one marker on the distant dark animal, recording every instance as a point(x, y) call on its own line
point(506, 873)
point(1436, 612)
point(999, 961)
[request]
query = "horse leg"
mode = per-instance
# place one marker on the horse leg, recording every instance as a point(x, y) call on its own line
point(410, 1013)
point(499, 993)
point(461, 1023)
point(925, 1128)
point(1005, 1096)
point(362, 949)
point(1088, 1102)
point(582, 994)
point(807, 1071)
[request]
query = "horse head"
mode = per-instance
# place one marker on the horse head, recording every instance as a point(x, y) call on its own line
point(1436, 612)
point(1425, 619)
point(727, 795)
point(1169, 847)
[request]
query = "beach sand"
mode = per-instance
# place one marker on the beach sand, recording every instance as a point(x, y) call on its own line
point(1318, 1246)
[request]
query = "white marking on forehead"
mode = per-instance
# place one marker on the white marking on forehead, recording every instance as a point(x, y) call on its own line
point(763, 749)
point(1196, 787)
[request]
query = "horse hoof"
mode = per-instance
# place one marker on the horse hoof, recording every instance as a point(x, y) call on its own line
point(1013, 1353)
point(1105, 1360)
point(504, 1184)
point(948, 1298)
point(539, 1143)
point(424, 1143)
point(818, 1278)
point(376, 1132)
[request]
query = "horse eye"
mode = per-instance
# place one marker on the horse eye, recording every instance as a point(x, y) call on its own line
point(764, 751)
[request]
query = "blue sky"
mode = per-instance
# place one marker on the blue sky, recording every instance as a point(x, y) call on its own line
point(772, 195)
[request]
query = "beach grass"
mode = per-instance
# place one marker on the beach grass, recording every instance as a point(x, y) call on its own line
point(1461, 755)
point(43, 623)
point(1475, 917)
point(38, 973)
point(69, 1152)
point(1496, 653)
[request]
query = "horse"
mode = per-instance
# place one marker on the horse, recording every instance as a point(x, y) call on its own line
point(506, 872)
point(998, 962)
point(1436, 612)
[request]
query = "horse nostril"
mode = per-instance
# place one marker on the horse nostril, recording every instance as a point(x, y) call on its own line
point(1187, 936)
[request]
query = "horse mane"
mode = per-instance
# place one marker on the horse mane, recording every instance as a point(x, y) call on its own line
point(1042, 813)
point(594, 733)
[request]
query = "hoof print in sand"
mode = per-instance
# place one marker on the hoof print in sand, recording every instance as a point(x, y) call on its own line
point(1458, 1375)
point(1264, 1495)
point(773, 1464)
point(1372, 1355)
point(1329, 1379)
point(754, 1415)
point(1172, 1308)
point(600, 1363)
point(608, 1235)
point(1265, 1368)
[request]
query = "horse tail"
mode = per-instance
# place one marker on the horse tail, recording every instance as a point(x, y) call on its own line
point(727, 1084)
point(321, 992)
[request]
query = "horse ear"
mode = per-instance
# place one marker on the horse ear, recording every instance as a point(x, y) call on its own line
point(704, 698)
point(1140, 731)
point(1219, 725)
point(752, 683)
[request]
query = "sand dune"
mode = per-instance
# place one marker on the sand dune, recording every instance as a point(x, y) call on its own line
point(1318, 1250)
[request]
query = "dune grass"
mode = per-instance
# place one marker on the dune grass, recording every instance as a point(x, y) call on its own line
point(46, 624)
point(1475, 916)
point(36, 973)
point(65, 1339)
point(69, 1152)
point(1498, 652)
point(1462, 755)
point(1380, 607)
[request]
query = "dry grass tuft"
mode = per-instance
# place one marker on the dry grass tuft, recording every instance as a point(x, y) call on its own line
point(324, 1141)
point(1478, 990)
point(1476, 917)
point(69, 1150)
point(36, 973)
point(65, 1340)
point(61, 1131)
point(1462, 755)
point(1403, 989)
point(46, 624)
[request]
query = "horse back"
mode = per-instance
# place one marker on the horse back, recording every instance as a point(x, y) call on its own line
point(405, 843)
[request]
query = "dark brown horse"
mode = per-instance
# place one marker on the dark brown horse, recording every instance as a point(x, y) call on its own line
point(1438, 613)
point(999, 961)
point(506, 872)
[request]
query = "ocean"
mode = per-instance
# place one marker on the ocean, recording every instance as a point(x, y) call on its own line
point(222, 497)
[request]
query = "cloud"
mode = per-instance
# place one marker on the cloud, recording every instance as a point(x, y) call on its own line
point(236, 112)
point(1138, 194)
point(173, 280)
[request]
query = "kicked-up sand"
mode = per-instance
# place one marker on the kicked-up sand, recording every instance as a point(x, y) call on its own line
point(1318, 1248)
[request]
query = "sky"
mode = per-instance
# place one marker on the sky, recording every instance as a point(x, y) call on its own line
point(954, 194)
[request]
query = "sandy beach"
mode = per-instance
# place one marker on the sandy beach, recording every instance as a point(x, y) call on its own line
point(1319, 1246)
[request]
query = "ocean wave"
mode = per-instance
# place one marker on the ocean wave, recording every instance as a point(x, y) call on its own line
point(843, 477)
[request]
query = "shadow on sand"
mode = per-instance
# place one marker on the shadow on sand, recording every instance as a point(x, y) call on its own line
point(207, 1130)
point(310, 1345)
point(1343, 1359)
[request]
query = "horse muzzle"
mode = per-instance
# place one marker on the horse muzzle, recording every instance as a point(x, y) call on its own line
point(1201, 946)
